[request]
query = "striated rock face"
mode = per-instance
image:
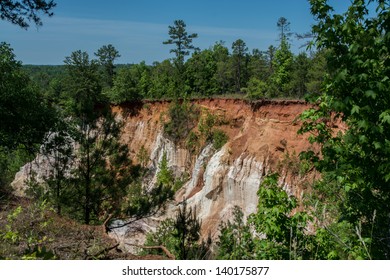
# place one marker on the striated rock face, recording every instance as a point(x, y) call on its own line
point(260, 136)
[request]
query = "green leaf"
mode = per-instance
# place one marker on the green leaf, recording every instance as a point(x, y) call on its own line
point(355, 109)
point(363, 124)
point(370, 94)
point(377, 145)
point(385, 117)
point(363, 139)
point(341, 76)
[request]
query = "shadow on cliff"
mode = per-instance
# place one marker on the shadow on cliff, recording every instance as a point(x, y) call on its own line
point(257, 104)
point(131, 108)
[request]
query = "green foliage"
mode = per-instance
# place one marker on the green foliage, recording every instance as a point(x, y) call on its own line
point(354, 164)
point(200, 73)
point(48, 78)
point(223, 73)
point(103, 173)
point(10, 163)
point(107, 55)
point(125, 87)
point(300, 75)
point(187, 232)
point(273, 232)
point(282, 65)
point(181, 236)
point(98, 172)
point(219, 139)
point(164, 235)
point(144, 201)
point(316, 73)
point(162, 80)
point(22, 12)
point(22, 240)
point(239, 63)
point(60, 156)
point(83, 88)
point(165, 175)
point(193, 142)
point(143, 157)
point(256, 89)
point(167, 178)
point(208, 72)
point(24, 113)
point(257, 66)
point(284, 232)
point(235, 241)
point(182, 41)
point(205, 126)
point(182, 119)
point(209, 134)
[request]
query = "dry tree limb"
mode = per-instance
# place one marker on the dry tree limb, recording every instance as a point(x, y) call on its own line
point(104, 225)
point(105, 251)
point(163, 248)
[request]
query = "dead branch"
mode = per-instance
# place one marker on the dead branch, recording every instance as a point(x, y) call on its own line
point(161, 247)
point(105, 251)
point(105, 228)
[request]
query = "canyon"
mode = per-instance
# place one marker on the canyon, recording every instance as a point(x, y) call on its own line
point(262, 138)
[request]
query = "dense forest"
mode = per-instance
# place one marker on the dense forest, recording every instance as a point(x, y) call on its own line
point(193, 73)
point(64, 111)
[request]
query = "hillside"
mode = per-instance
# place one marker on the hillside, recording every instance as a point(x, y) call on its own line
point(262, 138)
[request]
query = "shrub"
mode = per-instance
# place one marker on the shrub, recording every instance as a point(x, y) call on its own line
point(256, 89)
point(183, 117)
point(219, 139)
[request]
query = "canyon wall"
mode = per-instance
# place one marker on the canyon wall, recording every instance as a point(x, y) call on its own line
point(262, 135)
point(262, 138)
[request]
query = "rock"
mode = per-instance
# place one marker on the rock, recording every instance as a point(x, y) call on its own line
point(259, 136)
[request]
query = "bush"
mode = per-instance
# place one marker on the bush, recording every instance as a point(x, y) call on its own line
point(256, 89)
point(193, 142)
point(24, 235)
point(183, 117)
point(219, 139)
point(206, 125)
point(125, 87)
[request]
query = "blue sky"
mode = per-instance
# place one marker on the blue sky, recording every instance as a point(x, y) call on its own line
point(137, 28)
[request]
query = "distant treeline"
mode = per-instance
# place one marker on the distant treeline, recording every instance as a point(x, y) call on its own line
point(275, 73)
point(218, 70)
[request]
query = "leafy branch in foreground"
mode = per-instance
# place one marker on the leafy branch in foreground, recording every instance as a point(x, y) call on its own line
point(181, 236)
point(354, 164)
point(273, 232)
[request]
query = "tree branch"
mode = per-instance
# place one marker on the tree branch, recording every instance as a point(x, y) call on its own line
point(163, 248)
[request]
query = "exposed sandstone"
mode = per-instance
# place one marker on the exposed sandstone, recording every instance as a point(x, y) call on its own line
point(260, 134)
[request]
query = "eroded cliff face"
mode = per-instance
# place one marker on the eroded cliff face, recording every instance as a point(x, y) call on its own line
point(261, 136)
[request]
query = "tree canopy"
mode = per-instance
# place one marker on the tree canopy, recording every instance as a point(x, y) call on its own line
point(179, 37)
point(25, 116)
point(355, 164)
point(25, 11)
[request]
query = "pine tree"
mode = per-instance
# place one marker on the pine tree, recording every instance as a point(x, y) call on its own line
point(102, 171)
point(187, 232)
